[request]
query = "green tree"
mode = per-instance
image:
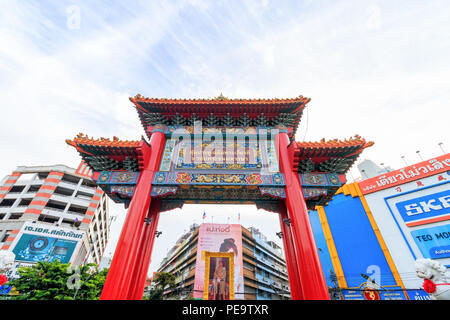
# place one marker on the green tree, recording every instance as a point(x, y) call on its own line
point(163, 281)
point(59, 281)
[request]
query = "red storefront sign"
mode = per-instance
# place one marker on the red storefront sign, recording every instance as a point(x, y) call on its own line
point(418, 171)
point(371, 294)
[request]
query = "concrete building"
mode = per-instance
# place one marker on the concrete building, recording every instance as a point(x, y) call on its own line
point(264, 267)
point(60, 207)
point(378, 227)
point(369, 169)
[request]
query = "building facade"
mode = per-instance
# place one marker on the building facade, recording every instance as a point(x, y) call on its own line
point(263, 266)
point(378, 227)
point(53, 212)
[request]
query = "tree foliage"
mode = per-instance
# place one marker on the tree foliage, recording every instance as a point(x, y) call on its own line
point(163, 281)
point(59, 281)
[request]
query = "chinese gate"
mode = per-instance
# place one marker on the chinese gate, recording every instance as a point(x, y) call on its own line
point(218, 151)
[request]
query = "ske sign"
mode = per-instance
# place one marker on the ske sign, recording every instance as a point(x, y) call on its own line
point(425, 207)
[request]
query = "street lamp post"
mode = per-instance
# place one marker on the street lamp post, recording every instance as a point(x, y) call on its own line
point(403, 157)
point(365, 276)
point(364, 172)
point(78, 287)
point(418, 152)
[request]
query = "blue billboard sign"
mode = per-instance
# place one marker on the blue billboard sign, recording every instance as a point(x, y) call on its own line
point(432, 205)
point(35, 248)
point(418, 295)
point(349, 294)
point(434, 243)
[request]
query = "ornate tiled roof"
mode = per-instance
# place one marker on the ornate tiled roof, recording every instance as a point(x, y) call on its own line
point(83, 139)
point(353, 142)
point(221, 111)
point(106, 154)
point(328, 156)
point(220, 98)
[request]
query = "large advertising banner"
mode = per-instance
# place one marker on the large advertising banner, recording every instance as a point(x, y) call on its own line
point(38, 242)
point(394, 178)
point(434, 242)
point(432, 205)
point(219, 238)
point(422, 216)
point(219, 276)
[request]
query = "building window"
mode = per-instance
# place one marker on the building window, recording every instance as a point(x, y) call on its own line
point(34, 188)
point(48, 219)
point(24, 202)
point(6, 235)
point(88, 183)
point(7, 202)
point(16, 189)
point(15, 216)
point(84, 195)
point(63, 191)
point(70, 179)
point(42, 175)
point(67, 223)
point(73, 209)
point(59, 206)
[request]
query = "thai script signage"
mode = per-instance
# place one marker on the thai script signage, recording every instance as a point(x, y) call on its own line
point(434, 243)
point(220, 238)
point(383, 293)
point(425, 207)
point(407, 174)
point(37, 242)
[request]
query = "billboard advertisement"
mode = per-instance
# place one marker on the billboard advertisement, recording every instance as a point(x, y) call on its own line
point(38, 242)
point(219, 276)
point(432, 205)
point(216, 238)
point(422, 216)
point(414, 218)
point(394, 178)
point(434, 242)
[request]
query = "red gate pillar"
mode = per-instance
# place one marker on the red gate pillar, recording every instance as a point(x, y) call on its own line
point(311, 276)
point(120, 273)
point(289, 252)
point(137, 286)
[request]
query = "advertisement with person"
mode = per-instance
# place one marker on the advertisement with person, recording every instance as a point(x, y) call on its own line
point(39, 242)
point(219, 238)
point(219, 276)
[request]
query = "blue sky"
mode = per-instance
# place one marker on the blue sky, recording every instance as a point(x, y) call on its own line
point(375, 68)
